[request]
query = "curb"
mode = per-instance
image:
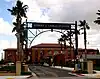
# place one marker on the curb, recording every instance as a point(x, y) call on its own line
point(74, 74)
point(33, 74)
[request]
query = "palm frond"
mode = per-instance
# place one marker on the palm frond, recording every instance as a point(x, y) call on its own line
point(98, 10)
point(98, 13)
point(25, 7)
point(19, 4)
point(97, 21)
point(14, 29)
point(81, 23)
point(9, 10)
point(15, 24)
point(87, 27)
point(98, 17)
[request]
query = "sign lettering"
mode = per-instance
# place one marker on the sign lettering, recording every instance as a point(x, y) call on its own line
point(51, 26)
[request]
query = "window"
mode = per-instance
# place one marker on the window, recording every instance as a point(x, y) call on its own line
point(63, 52)
point(49, 52)
point(68, 52)
point(56, 52)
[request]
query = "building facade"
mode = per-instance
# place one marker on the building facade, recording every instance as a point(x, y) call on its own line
point(51, 49)
point(46, 49)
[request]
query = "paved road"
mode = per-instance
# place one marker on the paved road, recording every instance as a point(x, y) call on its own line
point(48, 72)
point(59, 78)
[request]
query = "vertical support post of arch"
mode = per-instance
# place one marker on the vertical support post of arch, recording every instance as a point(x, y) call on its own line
point(26, 34)
point(70, 42)
point(76, 40)
point(26, 41)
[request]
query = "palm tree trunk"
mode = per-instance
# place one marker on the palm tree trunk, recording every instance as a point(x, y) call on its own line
point(85, 43)
point(19, 45)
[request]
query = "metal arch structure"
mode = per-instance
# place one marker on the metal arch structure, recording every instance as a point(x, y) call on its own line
point(43, 32)
point(52, 26)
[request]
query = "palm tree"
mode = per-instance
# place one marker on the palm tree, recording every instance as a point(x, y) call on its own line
point(60, 41)
point(18, 11)
point(84, 25)
point(97, 21)
point(64, 38)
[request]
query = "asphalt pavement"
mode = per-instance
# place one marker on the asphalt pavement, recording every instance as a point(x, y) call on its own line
point(48, 72)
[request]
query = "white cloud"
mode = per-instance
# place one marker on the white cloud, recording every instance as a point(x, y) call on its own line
point(9, 0)
point(5, 27)
point(47, 37)
point(6, 31)
point(65, 11)
point(4, 44)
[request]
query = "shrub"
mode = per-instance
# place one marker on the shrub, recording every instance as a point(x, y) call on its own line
point(2, 61)
point(26, 73)
point(97, 68)
point(8, 68)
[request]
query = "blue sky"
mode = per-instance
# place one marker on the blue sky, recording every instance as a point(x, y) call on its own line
point(51, 11)
point(5, 14)
point(4, 5)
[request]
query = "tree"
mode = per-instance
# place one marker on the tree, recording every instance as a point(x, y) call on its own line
point(83, 26)
point(97, 21)
point(60, 41)
point(18, 11)
point(66, 37)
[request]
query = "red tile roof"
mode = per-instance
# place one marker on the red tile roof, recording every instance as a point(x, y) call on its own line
point(47, 45)
point(87, 49)
point(14, 49)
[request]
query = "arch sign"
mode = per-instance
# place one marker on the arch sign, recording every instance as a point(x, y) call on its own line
point(52, 26)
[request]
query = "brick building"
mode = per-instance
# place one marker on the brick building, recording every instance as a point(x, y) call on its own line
point(10, 54)
point(51, 49)
point(46, 49)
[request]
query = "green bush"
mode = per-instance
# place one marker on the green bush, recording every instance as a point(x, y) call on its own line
point(82, 72)
point(26, 73)
point(2, 61)
point(8, 68)
point(97, 68)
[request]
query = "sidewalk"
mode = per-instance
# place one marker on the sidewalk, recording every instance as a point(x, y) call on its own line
point(13, 77)
point(97, 75)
